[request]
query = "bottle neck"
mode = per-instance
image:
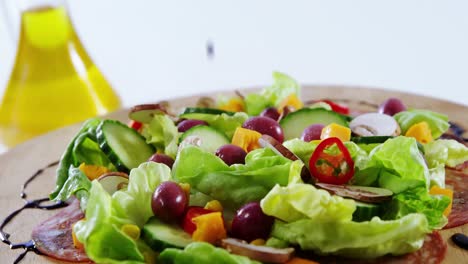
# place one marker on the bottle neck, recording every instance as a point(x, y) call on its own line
point(13, 10)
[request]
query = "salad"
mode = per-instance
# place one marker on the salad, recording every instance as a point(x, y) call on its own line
point(261, 177)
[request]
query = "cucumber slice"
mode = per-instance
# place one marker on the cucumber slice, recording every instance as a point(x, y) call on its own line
point(365, 211)
point(294, 123)
point(211, 138)
point(159, 235)
point(124, 146)
point(370, 139)
point(193, 111)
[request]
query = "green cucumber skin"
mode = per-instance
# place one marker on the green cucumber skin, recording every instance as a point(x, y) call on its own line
point(294, 123)
point(106, 148)
point(365, 211)
point(208, 111)
point(370, 139)
point(158, 243)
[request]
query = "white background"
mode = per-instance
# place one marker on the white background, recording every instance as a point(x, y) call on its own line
point(152, 50)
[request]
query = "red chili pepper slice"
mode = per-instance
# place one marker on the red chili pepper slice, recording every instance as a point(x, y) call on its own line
point(331, 168)
point(341, 109)
point(193, 212)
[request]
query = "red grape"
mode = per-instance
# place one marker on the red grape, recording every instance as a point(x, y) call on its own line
point(185, 125)
point(231, 154)
point(265, 125)
point(169, 201)
point(312, 132)
point(392, 106)
point(271, 112)
point(162, 158)
point(251, 223)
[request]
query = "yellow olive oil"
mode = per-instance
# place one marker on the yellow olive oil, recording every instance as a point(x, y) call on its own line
point(54, 82)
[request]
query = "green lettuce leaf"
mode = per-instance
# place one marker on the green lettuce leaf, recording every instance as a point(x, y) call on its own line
point(419, 201)
point(100, 231)
point(283, 86)
point(69, 158)
point(225, 123)
point(367, 239)
point(76, 184)
point(445, 151)
point(300, 201)
point(200, 252)
point(162, 133)
point(396, 164)
point(437, 122)
point(232, 185)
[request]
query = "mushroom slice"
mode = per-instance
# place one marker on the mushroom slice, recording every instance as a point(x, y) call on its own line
point(266, 141)
point(261, 253)
point(144, 113)
point(375, 124)
point(113, 181)
point(360, 193)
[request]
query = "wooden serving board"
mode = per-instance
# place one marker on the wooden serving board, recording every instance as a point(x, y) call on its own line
point(23, 161)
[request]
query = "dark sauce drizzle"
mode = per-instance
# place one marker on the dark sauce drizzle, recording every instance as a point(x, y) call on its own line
point(32, 204)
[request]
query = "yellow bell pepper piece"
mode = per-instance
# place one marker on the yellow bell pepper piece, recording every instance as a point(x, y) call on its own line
point(258, 242)
point(209, 228)
point(186, 188)
point(246, 139)
point(214, 206)
point(233, 105)
point(421, 132)
point(291, 101)
point(92, 171)
point(131, 230)
point(436, 190)
point(335, 130)
point(297, 260)
point(76, 242)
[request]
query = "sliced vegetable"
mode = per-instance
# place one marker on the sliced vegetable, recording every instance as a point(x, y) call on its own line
point(192, 112)
point(192, 212)
point(366, 211)
point(125, 147)
point(294, 123)
point(93, 171)
point(266, 141)
point(209, 228)
point(360, 193)
point(211, 138)
point(291, 101)
point(144, 113)
point(246, 139)
point(370, 139)
point(339, 108)
point(113, 181)
point(200, 252)
point(335, 130)
point(260, 253)
point(334, 168)
point(436, 190)
point(159, 235)
point(235, 104)
point(374, 124)
point(421, 132)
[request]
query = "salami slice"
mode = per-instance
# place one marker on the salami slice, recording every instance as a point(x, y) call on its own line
point(458, 180)
point(53, 237)
point(432, 252)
